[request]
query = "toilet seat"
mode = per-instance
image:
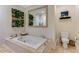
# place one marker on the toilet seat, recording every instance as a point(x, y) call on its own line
point(65, 39)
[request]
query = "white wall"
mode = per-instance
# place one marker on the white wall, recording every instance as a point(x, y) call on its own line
point(6, 21)
point(48, 32)
point(77, 20)
point(68, 25)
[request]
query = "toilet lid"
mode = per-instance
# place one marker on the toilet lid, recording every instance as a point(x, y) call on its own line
point(65, 39)
point(64, 34)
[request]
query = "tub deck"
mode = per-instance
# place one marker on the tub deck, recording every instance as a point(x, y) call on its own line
point(18, 46)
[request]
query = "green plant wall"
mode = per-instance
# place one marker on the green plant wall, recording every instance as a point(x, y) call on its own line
point(17, 18)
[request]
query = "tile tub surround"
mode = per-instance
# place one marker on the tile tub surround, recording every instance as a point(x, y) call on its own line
point(21, 47)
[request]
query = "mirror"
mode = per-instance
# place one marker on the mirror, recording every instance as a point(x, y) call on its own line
point(38, 17)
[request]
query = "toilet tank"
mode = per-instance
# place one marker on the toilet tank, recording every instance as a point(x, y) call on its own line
point(64, 34)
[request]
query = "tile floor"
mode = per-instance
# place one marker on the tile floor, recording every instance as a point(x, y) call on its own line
point(70, 49)
point(5, 49)
point(59, 49)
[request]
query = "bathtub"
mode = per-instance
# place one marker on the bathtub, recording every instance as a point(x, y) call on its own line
point(29, 42)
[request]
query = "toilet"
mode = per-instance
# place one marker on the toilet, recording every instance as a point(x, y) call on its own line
point(65, 39)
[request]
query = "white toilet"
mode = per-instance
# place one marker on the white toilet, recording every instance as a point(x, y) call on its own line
point(65, 39)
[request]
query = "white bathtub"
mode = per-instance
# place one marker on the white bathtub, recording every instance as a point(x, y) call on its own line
point(32, 41)
point(29, 42)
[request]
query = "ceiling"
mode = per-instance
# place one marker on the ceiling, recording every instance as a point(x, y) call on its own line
point(25, 6)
